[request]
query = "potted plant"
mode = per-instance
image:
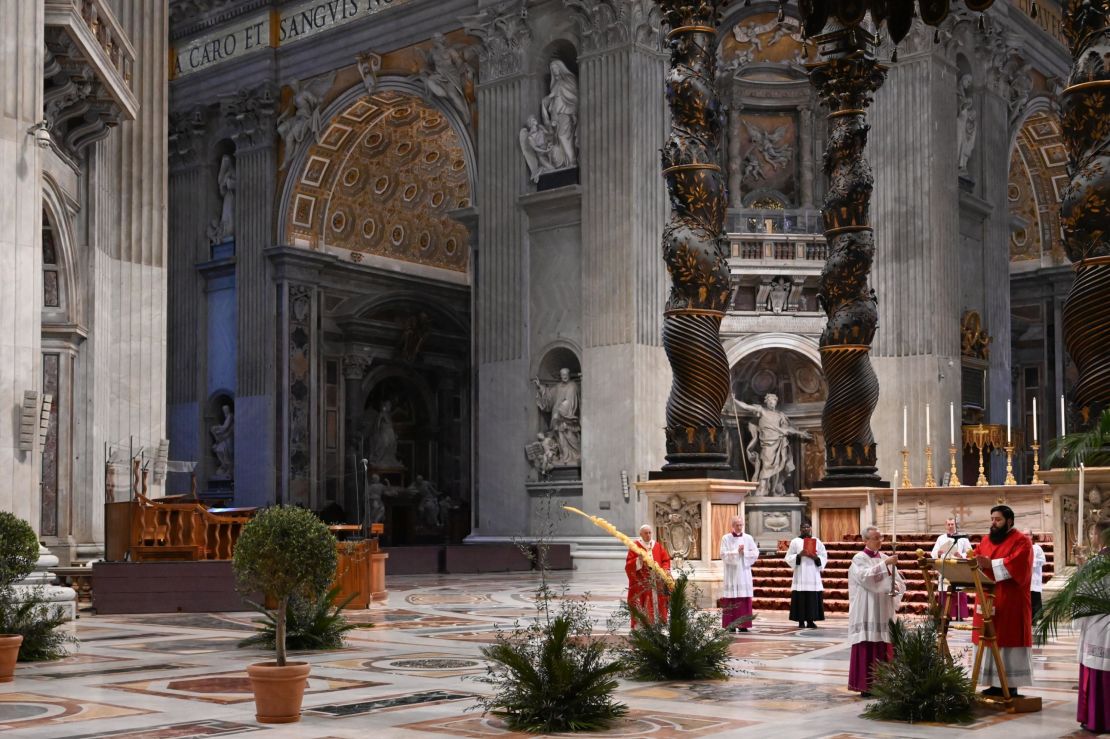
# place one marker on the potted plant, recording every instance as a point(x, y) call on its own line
point(19, 550)
point(282, 552)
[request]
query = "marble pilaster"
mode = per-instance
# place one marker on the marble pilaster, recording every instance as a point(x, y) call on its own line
point(21, 65)
point(916, 355)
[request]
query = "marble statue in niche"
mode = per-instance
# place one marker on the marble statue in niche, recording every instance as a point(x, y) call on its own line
point(305, 115)
point(223, 228)
point(560, 400)
point(552, 145)
point(223, 436)
point(446, 73)
point(383, 439)
point(967, 123)
point(769, 450)
point(376, 490)
point(542, 455)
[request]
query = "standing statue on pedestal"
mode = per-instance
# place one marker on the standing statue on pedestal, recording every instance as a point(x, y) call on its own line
point(224, 447)
point(560, 111)
point(561, 401)
point(967, 123)
point(223, 228)
point(774, 459)
point(383, 439)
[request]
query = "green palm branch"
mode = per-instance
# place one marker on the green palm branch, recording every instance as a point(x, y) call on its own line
point(688, 646)
point(311, 623)
point(1086, 593)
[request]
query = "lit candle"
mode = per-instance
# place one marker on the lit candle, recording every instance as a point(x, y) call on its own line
point(952, 424)
point(905, 423)
point(1063, 417)
point(894, 512)
point(1007, 422)
point(928, 435)
point(1034, 419)
point(1081, 535)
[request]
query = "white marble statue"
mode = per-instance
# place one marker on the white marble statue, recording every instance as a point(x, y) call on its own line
point(542, 455)
point(537, 145)
point(560, 113)
point(376, 490)
point(967, 123)
point(305, 115)
point(561, 401)
point(223, 228)
point(383, 439)
point(446, 74)
point(223, 434)
point(771, 433)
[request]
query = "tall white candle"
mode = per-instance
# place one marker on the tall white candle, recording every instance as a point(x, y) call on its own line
point(1034, 419)
point(1007, 421)
point(905, 424)
point(928, 434)
point(952, 424)
point(1063, 417)
point(894, 511)
point(1081, 534)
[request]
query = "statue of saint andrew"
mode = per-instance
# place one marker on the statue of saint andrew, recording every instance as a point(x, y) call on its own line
point(771, 432)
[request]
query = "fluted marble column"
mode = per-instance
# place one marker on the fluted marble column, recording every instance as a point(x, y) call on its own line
point(916, 356)
point(622, 123)
point(21, 60)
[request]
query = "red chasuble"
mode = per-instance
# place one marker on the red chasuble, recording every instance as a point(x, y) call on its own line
point(1013, 612)
point(640, 582)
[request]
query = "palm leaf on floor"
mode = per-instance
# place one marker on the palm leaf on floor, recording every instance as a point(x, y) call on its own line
point(688, 646)
point(552, 678)
point(920, 683)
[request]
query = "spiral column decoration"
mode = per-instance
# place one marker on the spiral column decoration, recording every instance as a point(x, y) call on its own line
point(846, 76)
point(694, 245)
point(1085, 207)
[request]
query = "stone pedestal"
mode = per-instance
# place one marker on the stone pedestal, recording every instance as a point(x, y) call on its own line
point(690, 516)
point(42, 578)
point(771, 520)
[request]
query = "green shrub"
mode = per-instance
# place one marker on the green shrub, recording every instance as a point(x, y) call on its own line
point(19, 549)
point(284, 551)
point(37, 621)
point(920, 683)
point(552, 675)
point(310, 623)
point(688, 646)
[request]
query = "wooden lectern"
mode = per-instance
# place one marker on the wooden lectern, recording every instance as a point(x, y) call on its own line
point(965, 572)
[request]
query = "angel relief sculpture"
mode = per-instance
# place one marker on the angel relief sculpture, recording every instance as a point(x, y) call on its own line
point(305, 114)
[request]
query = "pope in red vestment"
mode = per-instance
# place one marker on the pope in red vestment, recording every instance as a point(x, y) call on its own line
point(1006, 557)
point(645, 593)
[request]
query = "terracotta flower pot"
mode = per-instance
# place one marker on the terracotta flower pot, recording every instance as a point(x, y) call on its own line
point(9, 652)
point(278, 691)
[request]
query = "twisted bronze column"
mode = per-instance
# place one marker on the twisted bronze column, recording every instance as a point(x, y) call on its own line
point(694, 246)
point(846, 79)
point(1085, 209)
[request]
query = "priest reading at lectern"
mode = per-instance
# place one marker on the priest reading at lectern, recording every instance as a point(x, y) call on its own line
point(1006, 558)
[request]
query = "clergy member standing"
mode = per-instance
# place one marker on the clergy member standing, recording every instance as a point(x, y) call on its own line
point(645, 592)
point(807, 557)
point(1006, 557)
point(948, 545)
point(1093, 711)
point(1036, 583)
point(875, 590)
point(738, 553)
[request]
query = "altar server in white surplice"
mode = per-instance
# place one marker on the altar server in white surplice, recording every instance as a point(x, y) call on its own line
point(948, 545)
point(738, 553)
point(870, 608)
point(807, 557)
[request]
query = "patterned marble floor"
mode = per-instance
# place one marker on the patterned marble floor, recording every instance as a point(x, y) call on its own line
point(410, 675)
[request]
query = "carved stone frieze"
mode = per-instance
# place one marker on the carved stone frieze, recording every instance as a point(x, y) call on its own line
point(187, 132)
point(604, 24)
point(504, 35)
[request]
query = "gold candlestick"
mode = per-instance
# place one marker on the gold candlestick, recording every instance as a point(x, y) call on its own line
point(930, 481)
point(906, 468)
point(1010, 465)
point(1036, 464)
point(953, 477)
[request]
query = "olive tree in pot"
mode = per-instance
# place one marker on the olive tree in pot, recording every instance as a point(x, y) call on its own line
point(283, 551)
point(19, 551)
